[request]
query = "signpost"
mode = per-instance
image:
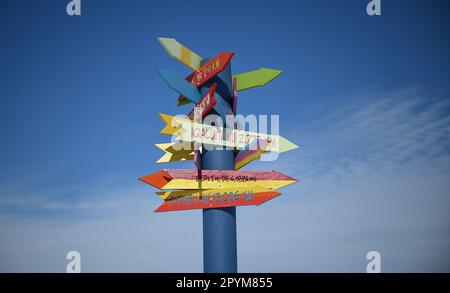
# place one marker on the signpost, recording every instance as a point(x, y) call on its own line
point(216, 186)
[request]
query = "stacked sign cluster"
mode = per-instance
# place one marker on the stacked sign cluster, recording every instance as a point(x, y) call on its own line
point(202, 189)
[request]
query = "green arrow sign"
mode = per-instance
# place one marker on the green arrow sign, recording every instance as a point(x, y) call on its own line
point(255, 78)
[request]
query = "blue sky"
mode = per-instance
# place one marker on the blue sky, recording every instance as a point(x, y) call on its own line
point(367, 99)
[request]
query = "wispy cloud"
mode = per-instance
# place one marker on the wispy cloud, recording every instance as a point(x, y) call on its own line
point(373, 176)
point(394, 128)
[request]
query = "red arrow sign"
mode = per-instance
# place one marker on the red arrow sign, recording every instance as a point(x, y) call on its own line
point(217, 200)
point(210, 69)
point(205, 105)
point(207, 71)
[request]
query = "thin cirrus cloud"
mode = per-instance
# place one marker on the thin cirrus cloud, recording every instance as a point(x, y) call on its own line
point(373, 176)
point(393, 128)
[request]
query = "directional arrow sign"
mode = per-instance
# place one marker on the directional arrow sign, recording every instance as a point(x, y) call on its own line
point(182, 101)
point(183, 87)
point(172, 124)
point(184, 151)
point(217, 200)
point(245, 81)
point(210, 69)
point(201, 110)
point(205, 105)
point(187, 130)
point(170, 179)
point(206, 72)
point(174, 194)
point(244, 157)
point(181, 53)
point(255, 78)
point(175, 152)
point(180, 85)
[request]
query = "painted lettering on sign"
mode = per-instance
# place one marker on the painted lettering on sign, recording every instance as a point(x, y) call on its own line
point(225, 178)
point(210, 69)
point(233, 138)
point(217, 200)
point(205, 105)
point(173, 179)
point(212, 198)
point(187, 130)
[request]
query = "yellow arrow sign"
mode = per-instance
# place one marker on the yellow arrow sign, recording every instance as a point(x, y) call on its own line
point(171, 126)
point(181, 53)
point(176, 152)
point(183, 151)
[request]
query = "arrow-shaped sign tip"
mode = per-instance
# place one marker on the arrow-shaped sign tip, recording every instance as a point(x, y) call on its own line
point(268, 197)
point(267, 75)
point(171, 46)
point(286, 145)
point(169, 128)
point(158, 179)
point(181, 53)
point(163, 73)
point(285, 177)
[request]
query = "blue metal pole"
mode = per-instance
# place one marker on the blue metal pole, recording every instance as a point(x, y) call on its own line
point(219, 224)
